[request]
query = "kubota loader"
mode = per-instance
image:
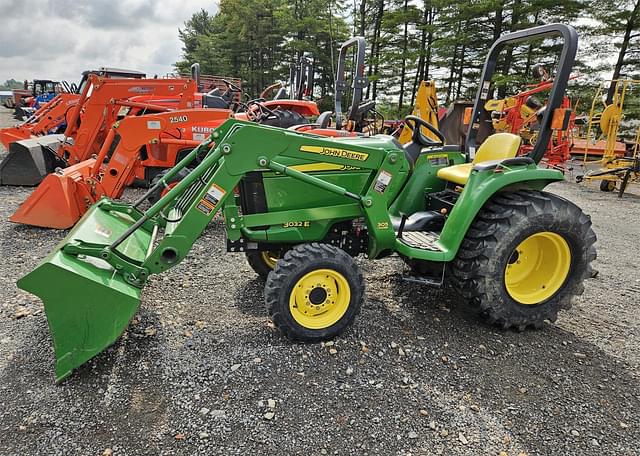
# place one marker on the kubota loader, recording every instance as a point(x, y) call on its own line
point(133, 145)
point(476, 218)
point(136, 147)
point(99, 106)
point(51, 117)
point(46, 120)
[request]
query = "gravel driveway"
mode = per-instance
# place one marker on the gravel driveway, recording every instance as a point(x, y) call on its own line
point(202, 371)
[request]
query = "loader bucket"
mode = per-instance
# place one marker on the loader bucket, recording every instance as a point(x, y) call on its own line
point(87, 302)
point(30, 160)
point(60, 199)
point(12, 134)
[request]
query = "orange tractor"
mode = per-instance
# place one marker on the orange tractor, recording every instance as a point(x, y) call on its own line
point(116, 150)
point(51, 117)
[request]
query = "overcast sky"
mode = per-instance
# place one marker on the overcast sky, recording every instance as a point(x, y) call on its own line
point(58, 39)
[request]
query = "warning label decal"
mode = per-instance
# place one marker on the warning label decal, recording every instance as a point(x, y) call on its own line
point(211, 199)
point(384, 178)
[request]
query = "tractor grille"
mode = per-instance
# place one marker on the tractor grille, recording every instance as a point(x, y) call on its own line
point(425, 240)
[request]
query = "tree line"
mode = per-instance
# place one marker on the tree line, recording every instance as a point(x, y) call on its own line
point(407, 41)
point(11, 84)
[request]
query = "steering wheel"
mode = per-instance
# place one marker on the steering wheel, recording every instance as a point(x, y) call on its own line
point(414, 123)
point(232, 86)
point(256, 111)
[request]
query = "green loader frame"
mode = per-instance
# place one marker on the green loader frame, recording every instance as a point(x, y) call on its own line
point(302, 206)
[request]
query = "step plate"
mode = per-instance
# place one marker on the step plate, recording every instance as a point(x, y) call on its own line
point(425, 240)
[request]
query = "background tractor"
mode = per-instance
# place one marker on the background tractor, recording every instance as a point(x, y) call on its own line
point(50, 117)
point(476, 219)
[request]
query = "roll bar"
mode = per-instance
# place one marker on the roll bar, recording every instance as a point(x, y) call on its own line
point(304, 74)
point(567, 57)
point(360, 80)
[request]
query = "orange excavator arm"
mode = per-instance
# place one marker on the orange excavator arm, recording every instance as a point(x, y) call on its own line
point(64, 196)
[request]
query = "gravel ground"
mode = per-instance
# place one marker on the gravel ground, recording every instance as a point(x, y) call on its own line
point(202, 371)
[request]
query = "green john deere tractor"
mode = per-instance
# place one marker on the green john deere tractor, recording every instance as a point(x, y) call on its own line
point(302, 206)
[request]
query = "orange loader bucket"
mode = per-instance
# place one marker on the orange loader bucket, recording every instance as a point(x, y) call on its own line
point(60, 200)
point(12, 134)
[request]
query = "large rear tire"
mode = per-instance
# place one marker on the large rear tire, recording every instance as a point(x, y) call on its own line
point(524, 258)
point(314, 293)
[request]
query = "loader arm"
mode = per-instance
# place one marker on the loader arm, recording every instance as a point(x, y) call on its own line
point(100, 103)
point(113, 250)
point(99, 106)
point(53, 114)
point(46, 119)
point(134, 133)
point(64, 196)
point(198, 197)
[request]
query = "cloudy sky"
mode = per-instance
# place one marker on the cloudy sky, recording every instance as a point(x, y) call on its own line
point(58, 39)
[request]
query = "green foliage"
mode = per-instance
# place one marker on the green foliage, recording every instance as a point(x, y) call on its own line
point(258, 39)
point(11, 84)
point(410, 40)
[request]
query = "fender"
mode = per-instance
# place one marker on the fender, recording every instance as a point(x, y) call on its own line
point(479, 189)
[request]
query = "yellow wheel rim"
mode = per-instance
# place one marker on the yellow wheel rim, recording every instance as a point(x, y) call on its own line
point(269, 258)
point(537, 268)
point(319, 299)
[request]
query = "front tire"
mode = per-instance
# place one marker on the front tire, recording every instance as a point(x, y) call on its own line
point(314, 293)
point(524, 258)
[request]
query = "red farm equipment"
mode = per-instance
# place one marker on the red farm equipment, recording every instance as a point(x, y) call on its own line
point(521, 114)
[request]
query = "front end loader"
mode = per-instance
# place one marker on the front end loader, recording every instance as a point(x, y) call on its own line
point(48, 119)
point(98, 107)
point(132, 146)
point(51, 117)
point(476, 219)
